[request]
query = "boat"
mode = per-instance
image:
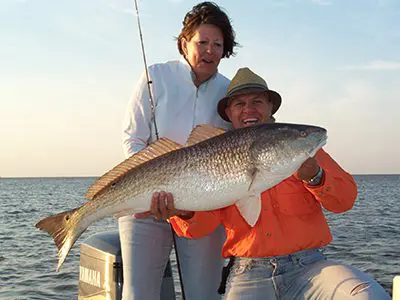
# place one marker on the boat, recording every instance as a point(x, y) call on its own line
point(100, 269)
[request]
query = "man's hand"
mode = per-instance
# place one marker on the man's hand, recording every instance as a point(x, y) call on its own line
point(162, 207)
point(307, 170)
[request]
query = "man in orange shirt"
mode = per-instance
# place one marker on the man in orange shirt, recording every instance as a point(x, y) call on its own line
point(279, 258)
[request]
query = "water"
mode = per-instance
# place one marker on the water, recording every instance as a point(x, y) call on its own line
point(366, 237)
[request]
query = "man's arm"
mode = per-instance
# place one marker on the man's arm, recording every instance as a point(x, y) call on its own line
point(200, 224)
point(337, 190)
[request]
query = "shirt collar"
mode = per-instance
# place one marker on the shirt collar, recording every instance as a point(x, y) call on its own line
point(193, 75)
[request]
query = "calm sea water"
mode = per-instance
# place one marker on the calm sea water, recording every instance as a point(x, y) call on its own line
point(366, 237)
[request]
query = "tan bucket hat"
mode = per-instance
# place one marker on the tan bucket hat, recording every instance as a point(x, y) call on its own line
point(245, 81)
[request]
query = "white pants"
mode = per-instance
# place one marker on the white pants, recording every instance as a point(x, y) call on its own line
point(146, 245)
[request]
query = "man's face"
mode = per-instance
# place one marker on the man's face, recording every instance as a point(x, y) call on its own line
point(249, 109)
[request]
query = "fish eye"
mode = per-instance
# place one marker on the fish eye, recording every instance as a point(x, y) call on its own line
point(303, 133)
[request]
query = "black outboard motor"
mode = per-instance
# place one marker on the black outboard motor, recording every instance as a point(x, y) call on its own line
point(100, 269)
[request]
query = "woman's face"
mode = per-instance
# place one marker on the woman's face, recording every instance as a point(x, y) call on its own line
point(204, 51)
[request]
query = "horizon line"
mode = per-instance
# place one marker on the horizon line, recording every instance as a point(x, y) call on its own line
point(95, 176)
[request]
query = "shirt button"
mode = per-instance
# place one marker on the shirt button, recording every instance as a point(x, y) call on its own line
point(268, 234)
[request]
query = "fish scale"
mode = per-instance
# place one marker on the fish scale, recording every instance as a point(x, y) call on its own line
point(215, 170)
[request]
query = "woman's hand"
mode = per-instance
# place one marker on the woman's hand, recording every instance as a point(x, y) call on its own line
point(162, 208)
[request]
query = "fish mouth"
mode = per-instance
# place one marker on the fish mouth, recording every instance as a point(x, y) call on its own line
point(322, 142)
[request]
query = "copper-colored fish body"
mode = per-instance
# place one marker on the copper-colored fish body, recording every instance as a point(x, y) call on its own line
point(214, 170)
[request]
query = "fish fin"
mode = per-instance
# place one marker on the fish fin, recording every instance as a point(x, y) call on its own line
point(250, 208)
point(153, 150)
point(62, 227)
point(203, 132)
point(252, 174)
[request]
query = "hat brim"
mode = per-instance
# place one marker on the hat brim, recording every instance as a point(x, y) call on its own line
point(274, 96)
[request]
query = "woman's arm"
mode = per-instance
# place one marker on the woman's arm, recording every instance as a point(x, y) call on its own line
point(137, 123)
point(185, 223)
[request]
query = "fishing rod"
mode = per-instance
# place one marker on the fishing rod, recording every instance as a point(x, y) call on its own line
point(153, 119)
point(149, 82)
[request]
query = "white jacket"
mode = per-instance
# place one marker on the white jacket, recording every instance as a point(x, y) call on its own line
point(179, 105)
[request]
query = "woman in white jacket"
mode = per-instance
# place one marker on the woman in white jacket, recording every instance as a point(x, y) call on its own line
point(185, 93)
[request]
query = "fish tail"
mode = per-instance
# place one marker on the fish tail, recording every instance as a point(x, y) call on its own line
point(63, 227)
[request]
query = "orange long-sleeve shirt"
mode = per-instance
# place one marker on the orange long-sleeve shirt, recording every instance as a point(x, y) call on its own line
point(291, 217)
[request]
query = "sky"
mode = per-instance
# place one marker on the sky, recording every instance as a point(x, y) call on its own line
point(68, 70)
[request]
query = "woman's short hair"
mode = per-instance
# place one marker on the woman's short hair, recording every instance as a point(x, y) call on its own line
point(208, 13)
